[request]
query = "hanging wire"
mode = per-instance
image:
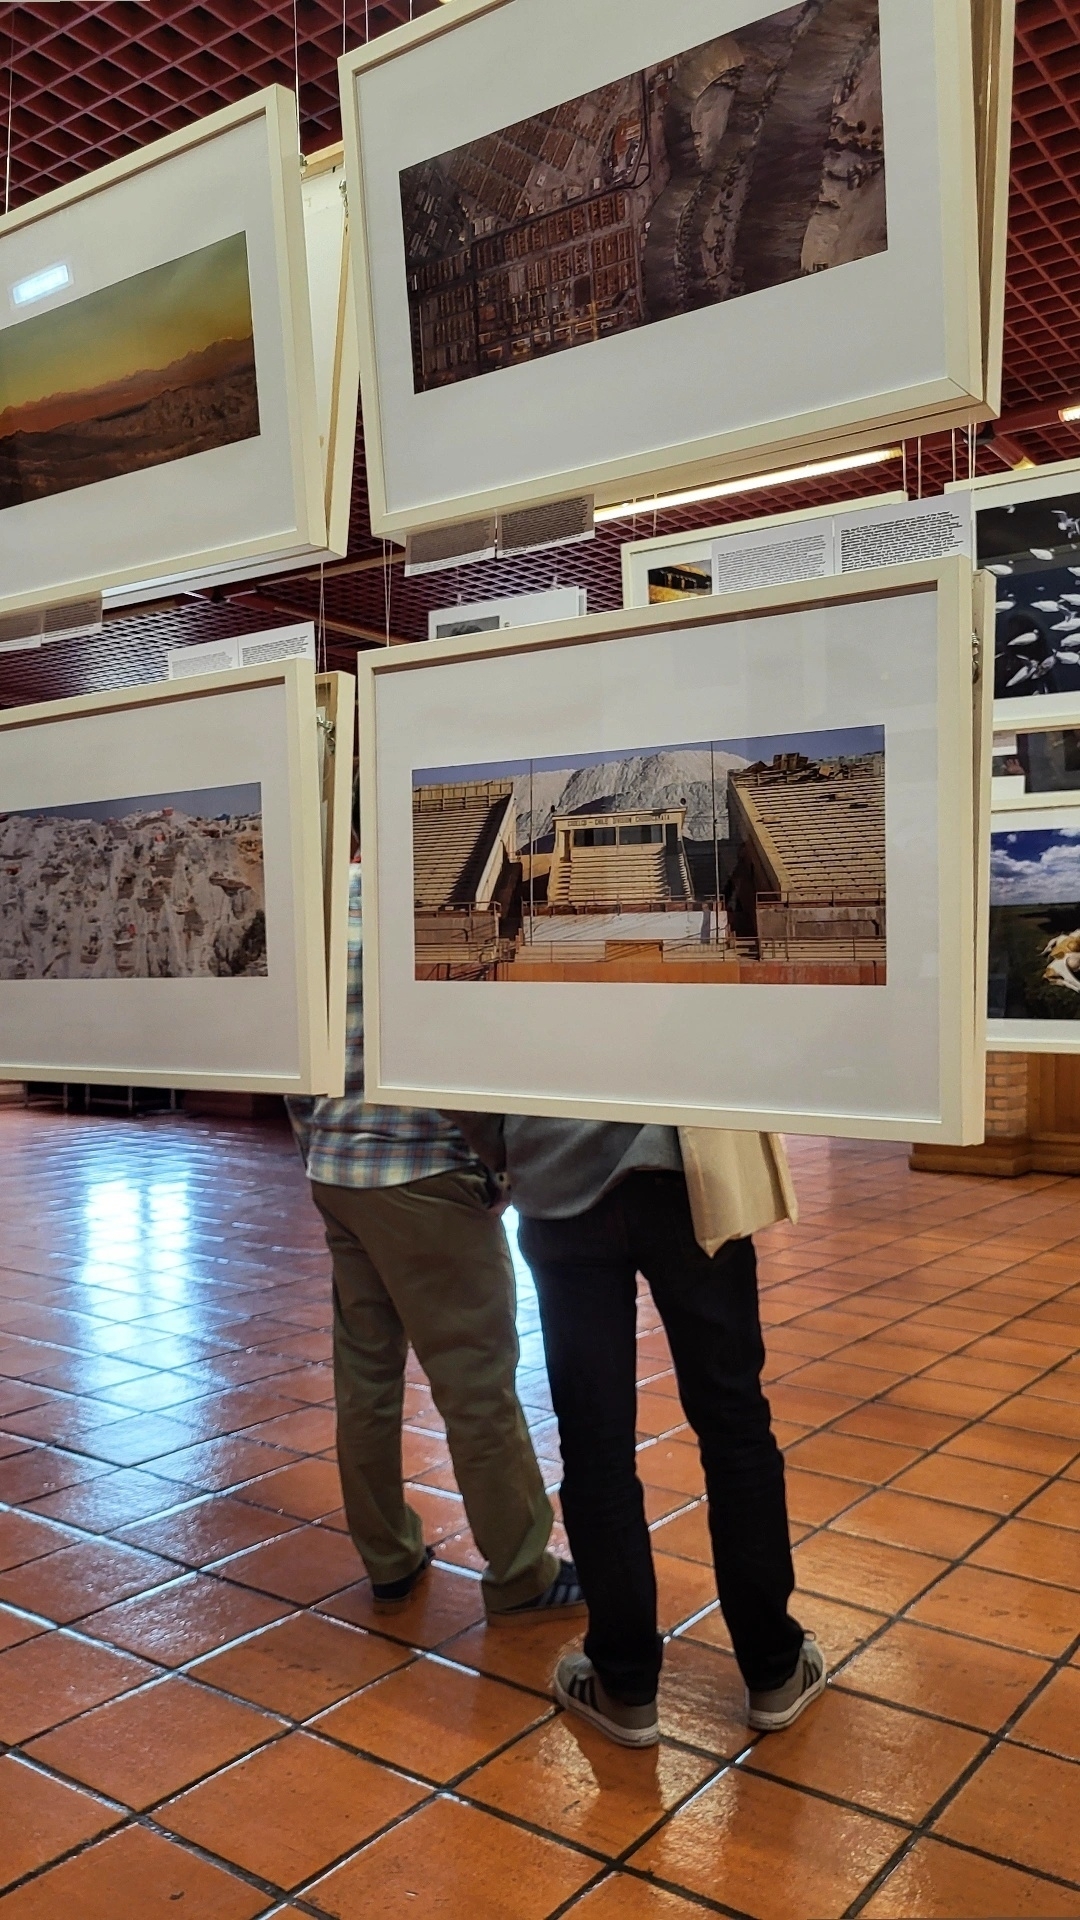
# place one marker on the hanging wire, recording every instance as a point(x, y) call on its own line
point(919, 481)
point(952, 437)
point(386, 572)
point(903, 445)
point(10, 111)
point(322, 650)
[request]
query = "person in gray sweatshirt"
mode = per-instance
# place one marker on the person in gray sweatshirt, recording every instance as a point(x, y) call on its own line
point(599, 1204)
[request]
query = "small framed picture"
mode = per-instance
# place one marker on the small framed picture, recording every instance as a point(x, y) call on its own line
point(613, 249)
point(1028, 536)
point(173, 883)
point(710, 864)
point(1034, 966)
point(158, 408)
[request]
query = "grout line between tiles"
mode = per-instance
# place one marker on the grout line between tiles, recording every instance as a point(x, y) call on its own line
point(863, 1492)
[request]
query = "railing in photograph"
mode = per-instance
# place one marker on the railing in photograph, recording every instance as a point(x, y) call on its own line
point(858, 949)
point(810, 896)
point(610, 904)
point(553, 953)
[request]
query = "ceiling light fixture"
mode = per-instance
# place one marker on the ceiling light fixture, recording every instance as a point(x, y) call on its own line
point(753, 484)
point(1069, 413)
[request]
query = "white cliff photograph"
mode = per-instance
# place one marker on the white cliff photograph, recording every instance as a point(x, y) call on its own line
point(150, 886)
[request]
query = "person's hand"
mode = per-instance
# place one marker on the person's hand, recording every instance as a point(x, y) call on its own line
point(500, 1198)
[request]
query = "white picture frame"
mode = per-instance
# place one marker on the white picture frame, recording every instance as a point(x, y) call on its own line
point(333, 326)
point(994, 47)
point(335, 718)
point(253, 500)
point(622, 1050)
point(1057, 485)
point(642, 557)
point(86, 1012)
point(455, 76)
point(515, 610)
point(1029, 832)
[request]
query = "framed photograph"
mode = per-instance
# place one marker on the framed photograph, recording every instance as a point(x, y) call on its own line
point(678, 566)
point(572, 219)
point(335, 715)
point(983, 755)
point(1028, 536)
point(702, 864)
point(1034, 957)
point(333, 330)
point(158, 408)
point(162, 894)
point(994, 45)
point(517, 610)
point(337, 384)
point(1037, 763)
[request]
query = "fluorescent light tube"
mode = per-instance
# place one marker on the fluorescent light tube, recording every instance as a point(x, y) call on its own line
point(750, 485)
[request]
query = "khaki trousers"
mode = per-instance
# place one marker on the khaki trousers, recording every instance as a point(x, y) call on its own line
point(428, 1264)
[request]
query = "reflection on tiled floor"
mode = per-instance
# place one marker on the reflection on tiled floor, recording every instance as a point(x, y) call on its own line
point(199, 1712)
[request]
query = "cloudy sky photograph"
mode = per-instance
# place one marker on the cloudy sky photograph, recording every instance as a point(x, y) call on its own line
point(1039, 866)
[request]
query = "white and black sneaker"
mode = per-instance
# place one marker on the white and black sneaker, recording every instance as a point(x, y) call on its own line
point(771, 1712)
point(578, 1688)
point(563, 1600)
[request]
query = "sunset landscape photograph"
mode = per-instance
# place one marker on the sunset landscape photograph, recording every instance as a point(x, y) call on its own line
point(149, 370)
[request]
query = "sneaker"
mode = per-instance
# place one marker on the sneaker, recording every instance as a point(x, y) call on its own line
point(564, 1597)
point(577, 1686)
point(769, 1712)
point(389, 1596)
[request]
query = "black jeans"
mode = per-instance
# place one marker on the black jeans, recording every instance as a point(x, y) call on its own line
point(585, 1270)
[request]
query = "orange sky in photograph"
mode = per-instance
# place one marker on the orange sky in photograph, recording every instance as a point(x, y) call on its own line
point(138, 325)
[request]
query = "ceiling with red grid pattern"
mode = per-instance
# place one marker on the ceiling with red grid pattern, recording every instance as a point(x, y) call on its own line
point(85, 83)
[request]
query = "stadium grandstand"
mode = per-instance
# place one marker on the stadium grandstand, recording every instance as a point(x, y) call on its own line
point(611, 860)
point(466, 877)
point(810, 876)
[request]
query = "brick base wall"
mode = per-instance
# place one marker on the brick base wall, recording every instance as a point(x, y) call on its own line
point(1007, 1094)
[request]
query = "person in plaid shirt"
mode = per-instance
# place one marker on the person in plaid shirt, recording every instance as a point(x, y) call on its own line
point(420, 1257)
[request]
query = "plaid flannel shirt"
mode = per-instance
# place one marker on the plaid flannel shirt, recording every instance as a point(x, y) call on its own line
point(347, 1142)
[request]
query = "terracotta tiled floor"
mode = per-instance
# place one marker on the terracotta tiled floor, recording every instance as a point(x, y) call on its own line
point(198, 1705)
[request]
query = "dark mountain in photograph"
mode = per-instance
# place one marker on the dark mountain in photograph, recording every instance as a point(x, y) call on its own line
point(209, 399)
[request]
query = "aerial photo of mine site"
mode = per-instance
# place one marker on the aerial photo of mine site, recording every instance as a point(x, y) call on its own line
point(155, 886)
point(735, 166)
point(714, 862)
